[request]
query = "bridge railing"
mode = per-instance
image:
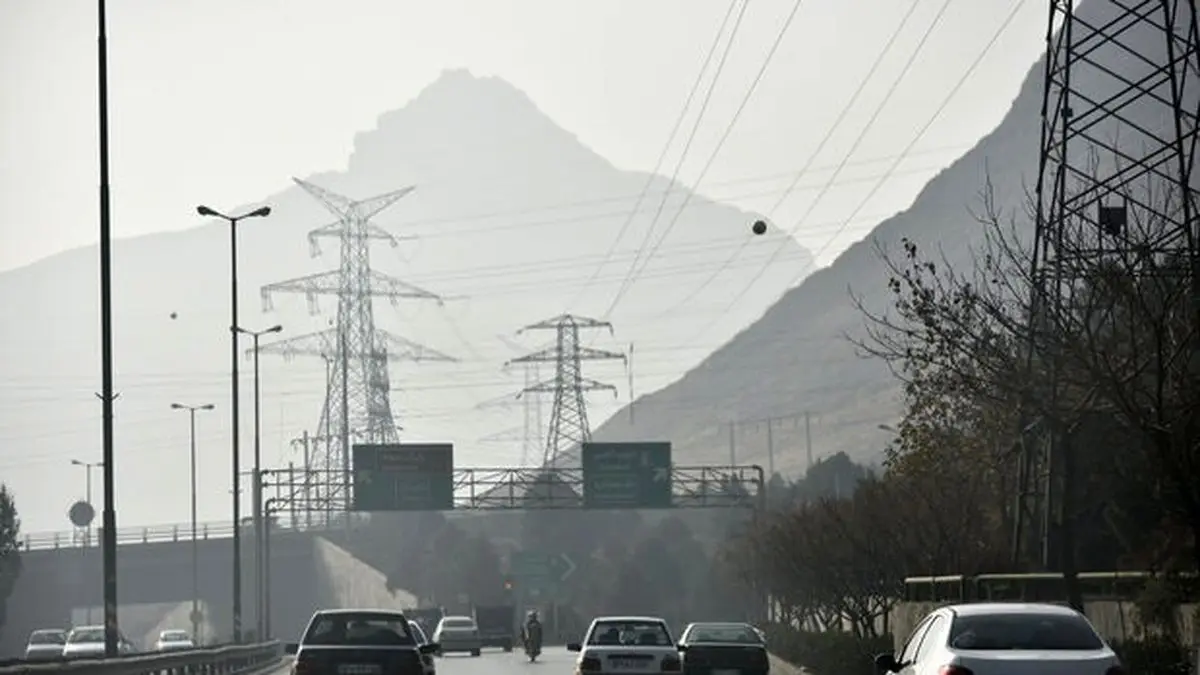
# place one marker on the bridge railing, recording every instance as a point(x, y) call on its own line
point(230, 660)
point(92, 537)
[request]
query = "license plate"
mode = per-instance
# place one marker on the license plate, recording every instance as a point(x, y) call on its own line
point(358, 669)
point(625, 664)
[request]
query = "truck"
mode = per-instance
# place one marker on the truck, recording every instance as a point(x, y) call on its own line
point(497, 625)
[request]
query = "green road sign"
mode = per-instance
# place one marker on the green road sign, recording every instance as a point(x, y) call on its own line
point(627, 475)
point(404, 477)
point(536, 568)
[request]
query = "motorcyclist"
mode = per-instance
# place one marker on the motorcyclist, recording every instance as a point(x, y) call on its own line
point(532, 631)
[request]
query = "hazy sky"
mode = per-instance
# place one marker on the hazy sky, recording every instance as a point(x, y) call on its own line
point(222, 101)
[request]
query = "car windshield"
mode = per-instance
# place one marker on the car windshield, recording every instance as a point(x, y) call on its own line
point(458, 624)
point(368, 628)
point(1033, 632)
point(630, 633)
point(47, 637)
point(174, 636)
point(735, 634)
point(86, 635)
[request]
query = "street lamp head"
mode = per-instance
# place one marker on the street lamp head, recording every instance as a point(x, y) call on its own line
point(207, 406)
point(76, 462)
point(178, 406)
point(274, 329)
point(205, 211)
point(261, 212)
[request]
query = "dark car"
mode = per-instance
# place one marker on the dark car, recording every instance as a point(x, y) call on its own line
point(359, 642)
point(723, 649)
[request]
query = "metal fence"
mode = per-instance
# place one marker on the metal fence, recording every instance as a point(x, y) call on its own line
point(228, 660)
point(92, 537)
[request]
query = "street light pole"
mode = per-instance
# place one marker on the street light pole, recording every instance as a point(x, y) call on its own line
point(260, 212)
point(256, 485)
point(87, 481)
point(195, 615)
point(87, 492)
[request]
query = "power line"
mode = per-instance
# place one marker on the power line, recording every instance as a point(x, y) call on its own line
point(670, 139)
point(633, 270)
point(837, 123)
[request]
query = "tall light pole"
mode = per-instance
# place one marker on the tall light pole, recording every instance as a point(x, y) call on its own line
point(260, 212)
point(195, 615)
point(112, 631)
point(256, 484)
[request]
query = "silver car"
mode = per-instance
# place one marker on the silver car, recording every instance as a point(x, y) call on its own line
point(458, 634)
point(87, 642)
point(45, 644)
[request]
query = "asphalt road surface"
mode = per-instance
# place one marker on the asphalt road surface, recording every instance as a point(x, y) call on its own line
point(556, 660)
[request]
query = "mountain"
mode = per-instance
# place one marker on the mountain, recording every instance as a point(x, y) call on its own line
point(512, 222)
point(797, 359)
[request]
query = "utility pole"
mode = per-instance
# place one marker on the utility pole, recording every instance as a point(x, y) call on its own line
point(303, 442)
point(732, 443)
point(770, 423)
point(808, 440)
point(632, 399)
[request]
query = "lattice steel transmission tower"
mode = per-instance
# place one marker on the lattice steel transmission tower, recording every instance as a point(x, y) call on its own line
point(530, 434)
point(569, 426)
point(358, 390)
point(1115, 178)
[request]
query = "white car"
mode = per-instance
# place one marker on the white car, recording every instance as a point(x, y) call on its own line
point(1003, 639)
point(458, 634)
point(174, 641)
point(45, 644)
point(627, 644)
point(87, 642)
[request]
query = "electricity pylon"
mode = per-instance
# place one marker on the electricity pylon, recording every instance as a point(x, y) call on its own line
point(530, 434)
point(569, 427)
point(358, 392)
point(1115, 177)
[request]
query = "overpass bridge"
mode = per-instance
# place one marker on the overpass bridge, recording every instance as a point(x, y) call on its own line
point(62, 573)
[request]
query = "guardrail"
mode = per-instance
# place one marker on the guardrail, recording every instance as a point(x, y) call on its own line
point(91, 538)
point(231, 660)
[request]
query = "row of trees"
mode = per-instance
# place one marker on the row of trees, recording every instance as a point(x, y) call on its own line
point(1096, 357)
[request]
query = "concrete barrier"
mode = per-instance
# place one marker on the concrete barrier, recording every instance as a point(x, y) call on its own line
point(346, 581)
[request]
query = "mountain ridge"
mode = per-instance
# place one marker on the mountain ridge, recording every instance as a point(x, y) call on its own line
point(171, 294)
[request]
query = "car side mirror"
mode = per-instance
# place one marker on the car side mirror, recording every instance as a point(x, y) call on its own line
point(886, 663)
point(290, 648)
point(574, 647)
point(430, 648)
point(682, 648)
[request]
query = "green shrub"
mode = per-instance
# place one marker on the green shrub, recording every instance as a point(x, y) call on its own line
point(1153, 656)
point(826, 653)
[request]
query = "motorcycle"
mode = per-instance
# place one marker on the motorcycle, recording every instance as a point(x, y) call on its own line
point(533, 642)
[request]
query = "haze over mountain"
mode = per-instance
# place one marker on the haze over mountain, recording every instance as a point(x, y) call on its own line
point(513, 218)
point(796, 358)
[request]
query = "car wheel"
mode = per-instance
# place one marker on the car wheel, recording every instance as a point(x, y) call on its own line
point(476, 652)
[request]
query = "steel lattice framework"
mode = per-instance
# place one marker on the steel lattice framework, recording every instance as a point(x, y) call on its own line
point(358, 389)
point(1115, 177)
point(530, 434)
point(569, 426)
